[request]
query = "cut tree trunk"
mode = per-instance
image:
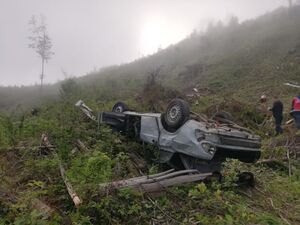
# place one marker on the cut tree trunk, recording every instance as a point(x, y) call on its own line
point(157, 182)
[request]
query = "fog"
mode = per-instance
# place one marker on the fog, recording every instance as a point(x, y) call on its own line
point(88, 35)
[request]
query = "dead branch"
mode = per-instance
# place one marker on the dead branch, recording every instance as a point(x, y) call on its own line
point(45, 142)
point(81, 146)
point(272, 160)
point(69, 186)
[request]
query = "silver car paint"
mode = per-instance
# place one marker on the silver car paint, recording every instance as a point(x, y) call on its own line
point(182, 141)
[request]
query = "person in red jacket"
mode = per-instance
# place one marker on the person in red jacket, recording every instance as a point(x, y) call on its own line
point(296, 111)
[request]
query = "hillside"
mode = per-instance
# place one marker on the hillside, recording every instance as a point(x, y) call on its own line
point(231, 66)
point(257, 56)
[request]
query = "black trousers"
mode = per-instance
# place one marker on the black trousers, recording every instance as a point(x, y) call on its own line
point(296, 116)
point(278, 121)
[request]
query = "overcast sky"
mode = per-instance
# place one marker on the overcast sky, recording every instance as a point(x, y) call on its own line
point(90, 34)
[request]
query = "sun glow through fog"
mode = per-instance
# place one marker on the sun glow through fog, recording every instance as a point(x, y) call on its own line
point(157, 33)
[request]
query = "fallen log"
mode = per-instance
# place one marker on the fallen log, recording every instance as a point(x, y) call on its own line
point(157, 182)
point(175, 181)
point(146, 179)
point(132, 181)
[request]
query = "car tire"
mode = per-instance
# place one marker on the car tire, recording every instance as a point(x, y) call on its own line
point(246, 179)
point(120, 107)
point(177, 113)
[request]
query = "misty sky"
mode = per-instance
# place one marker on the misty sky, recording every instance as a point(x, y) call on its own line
point(90, 34)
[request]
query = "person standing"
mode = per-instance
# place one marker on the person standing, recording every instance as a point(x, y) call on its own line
point(296, 111)
point(277, 110)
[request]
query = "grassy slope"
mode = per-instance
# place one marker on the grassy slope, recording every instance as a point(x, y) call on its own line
point(29, 175)
point(256, 56)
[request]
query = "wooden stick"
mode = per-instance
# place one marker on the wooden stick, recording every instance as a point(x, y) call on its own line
point(70, 189)
point(81, 146)
point(75, 198)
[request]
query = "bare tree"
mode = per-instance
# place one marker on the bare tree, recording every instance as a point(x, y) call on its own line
point(40, 41)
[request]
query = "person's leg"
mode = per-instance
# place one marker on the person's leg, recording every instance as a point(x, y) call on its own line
point(297, 119)
point(278, 121)
point(278, 129)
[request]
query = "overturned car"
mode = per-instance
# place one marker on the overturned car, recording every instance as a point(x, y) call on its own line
point(185, 140)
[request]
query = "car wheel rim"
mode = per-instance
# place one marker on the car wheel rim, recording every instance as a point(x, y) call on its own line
point(174, 114)
point(118, 109)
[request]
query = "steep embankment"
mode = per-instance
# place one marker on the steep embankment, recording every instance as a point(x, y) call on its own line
point(241, 60)
point(32, 190)
point(255, 56)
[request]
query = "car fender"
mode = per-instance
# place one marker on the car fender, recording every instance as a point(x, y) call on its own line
point(182, 141)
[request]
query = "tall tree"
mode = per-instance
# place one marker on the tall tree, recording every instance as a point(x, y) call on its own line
point(40, 42)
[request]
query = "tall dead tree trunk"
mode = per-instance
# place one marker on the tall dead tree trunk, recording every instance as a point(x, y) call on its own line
point(42, 74)
point(40, 42)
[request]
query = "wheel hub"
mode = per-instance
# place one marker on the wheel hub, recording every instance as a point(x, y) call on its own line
point(119, 109)
point(174, 113)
